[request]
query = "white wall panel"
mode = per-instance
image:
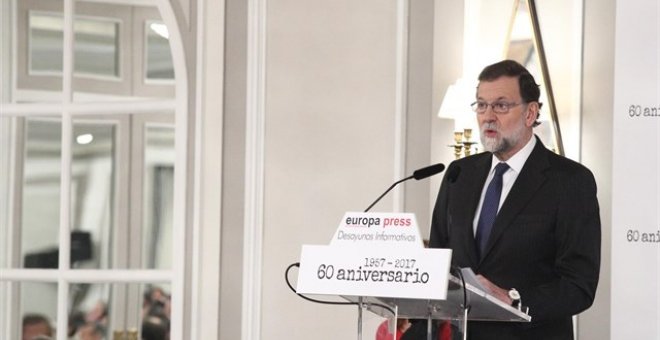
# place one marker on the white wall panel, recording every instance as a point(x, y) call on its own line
point(596, 140)
point(329, 147)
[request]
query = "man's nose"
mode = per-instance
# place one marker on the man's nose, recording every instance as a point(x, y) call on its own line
point(489, 114)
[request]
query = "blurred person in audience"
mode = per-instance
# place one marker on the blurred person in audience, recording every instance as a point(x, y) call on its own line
point(91, 324)
point(156, 303)
point(36, 326)
point(76, 321)
point(156, 308)
point(90, 331)
point(155, 327)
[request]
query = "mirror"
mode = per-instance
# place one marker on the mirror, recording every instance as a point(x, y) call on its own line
point(6, 182)
point(510, 29)
point(96, 45)
point(525, 45)
point(92, 193)
point(97, 152)
point(159, 65)
point(41, 193)
point(158, 196)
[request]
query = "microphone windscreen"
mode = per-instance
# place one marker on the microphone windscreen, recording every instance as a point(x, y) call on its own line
point(428, 171)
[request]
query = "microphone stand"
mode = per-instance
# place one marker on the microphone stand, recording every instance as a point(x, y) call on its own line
point(361, 299)
point(418, 174)
point(388, 190)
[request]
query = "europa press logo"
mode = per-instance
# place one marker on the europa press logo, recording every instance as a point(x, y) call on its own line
point(360, 227)
point(362, 221)
point(369, 221)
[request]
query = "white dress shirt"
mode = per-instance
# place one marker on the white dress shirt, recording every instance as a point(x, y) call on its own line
point(516, 163)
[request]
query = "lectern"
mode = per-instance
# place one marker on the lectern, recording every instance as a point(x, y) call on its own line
point(378, 261)
point(480, 307)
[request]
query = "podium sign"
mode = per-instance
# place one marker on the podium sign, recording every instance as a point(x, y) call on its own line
point(374, 271)
point(380, 229)
point(375, 254)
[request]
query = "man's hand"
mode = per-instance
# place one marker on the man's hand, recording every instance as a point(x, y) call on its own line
point(500, 293)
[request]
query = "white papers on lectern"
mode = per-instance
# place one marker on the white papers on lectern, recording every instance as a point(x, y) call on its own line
point(375, 254)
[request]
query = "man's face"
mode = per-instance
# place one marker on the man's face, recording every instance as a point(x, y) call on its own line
point(504, 134)
point(34, 330)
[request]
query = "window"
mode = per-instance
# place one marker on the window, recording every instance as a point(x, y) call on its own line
point(87, 177)
point(96, 45)
point(158, 57)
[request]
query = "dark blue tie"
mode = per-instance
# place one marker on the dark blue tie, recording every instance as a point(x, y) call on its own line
point(490, 207)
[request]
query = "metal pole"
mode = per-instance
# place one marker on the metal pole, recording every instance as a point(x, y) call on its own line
point(538, 39)
point(429, 327)
point(359, 333)
point(465, 322)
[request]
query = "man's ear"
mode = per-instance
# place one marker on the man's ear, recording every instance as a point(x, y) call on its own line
point(531, 114)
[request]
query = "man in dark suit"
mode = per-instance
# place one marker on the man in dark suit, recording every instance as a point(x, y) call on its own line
point(530, 227)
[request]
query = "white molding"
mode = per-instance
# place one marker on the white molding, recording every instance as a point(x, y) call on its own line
point(577, 45)
point(148, 3)
point(181, 211)
point(207, 224)
point(576, 104)
point(254, 172)
point(87, 275)
point(196, 312)
point(401, 100)
point(12, 299)
point(92, 108)
point(65, 192)
point(62, 309)
point(122, 215)
point(6, 181)
point(65, 170)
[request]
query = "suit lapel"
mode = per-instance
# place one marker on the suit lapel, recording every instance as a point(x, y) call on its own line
point(529, 180)
point(474, 180)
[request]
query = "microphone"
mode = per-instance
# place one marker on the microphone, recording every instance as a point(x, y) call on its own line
point(417, 175)
point(428, 171)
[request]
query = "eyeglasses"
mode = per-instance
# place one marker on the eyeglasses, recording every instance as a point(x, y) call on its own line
point(498, 107)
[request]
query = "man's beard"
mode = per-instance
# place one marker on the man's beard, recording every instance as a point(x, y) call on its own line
point(500, 143)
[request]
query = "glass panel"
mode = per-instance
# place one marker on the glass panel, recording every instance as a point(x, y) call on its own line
point(41, 193)
point(159, 64)
point(158, 197)
point(6, 51)
point(96, 45)
point(156, 311)
point(119, 311)
point(89, 306)
point(414, 328)
point(45, 43)
point(38, 309)
point(92, 194)
point(97, 311)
